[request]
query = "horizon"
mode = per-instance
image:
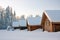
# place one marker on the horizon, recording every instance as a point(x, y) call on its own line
point(30, 7)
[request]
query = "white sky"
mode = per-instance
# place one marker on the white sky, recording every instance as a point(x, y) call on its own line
point(28, 7)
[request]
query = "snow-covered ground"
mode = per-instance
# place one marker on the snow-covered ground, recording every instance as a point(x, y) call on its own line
point(28, 35)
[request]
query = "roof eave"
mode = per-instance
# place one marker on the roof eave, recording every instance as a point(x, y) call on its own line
point(48, 16)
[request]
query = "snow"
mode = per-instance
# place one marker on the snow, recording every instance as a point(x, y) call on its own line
point(15, 24)
point(28, 35)
point(54, 15)
point(34, 20)
point(18, 23)
point(9, 28)
point(22, 23)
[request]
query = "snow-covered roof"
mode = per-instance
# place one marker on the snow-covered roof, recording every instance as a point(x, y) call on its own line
point(34, 20)
point(15, 24)
point(22, 22)
point(54, 15)
point(18, 23)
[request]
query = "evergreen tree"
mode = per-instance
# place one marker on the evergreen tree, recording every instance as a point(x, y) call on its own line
point(8, 16)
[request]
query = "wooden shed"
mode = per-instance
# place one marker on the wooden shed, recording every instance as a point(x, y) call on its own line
point(33, 23)
point(23, 24)
point(51, 20)
point(20, 24)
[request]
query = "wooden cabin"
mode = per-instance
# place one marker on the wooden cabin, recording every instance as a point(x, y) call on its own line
point(20, 24)
point(33, 27)
point(51, 20)
point(23, 24)
point(15, 24)
point(33, 23)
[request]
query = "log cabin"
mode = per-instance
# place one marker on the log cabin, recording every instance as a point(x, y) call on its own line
point(15, 25)
point(20, 24)
point(33, 23)
point(23, 24)
point(51, 20)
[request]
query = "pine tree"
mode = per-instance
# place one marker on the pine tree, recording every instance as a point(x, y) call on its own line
point(8, 16)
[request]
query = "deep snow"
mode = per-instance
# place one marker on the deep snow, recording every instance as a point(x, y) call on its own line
point(28, 35)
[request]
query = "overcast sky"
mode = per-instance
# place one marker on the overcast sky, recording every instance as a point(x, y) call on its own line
point(28, 7)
